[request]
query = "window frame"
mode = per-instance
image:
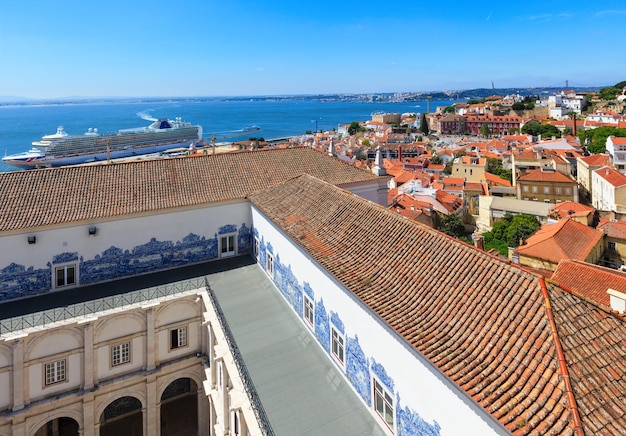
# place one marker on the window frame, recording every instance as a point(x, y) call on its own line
point(233, 250)
point(269, 264)
point(55, 372)
point(122, 357)
point(65, 267)
point(384, 394)
point(256, 248)
point(308, 307)
point(181, 333)
point(336, 338)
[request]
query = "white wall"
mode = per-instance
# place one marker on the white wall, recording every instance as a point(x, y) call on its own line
point(124, 233)
point(419, 385)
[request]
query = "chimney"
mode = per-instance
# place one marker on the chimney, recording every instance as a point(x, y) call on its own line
point(399, 153)
point(479, 242)
point(618, 300)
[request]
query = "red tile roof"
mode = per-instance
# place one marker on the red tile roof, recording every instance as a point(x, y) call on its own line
point(38, 198)
point(613, 229)
point(612, 176)
point(565, 239)
point(596, 160)
point(546, 176)
point(572, 208)
point(486, 324)
point(588, 280)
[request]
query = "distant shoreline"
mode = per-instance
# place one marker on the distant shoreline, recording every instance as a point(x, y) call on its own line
point(380, 97)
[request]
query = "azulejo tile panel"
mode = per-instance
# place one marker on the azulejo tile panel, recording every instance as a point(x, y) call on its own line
point(359, 367)
point(18, 281)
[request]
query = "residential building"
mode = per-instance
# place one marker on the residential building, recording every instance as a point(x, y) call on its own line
point(497, 124)
point(565, 239)
point(586, 165)
point(608, 192)
point(616, 148)
point(470, 168)
point(492, 208)
point(615, 242)
point(548, 186)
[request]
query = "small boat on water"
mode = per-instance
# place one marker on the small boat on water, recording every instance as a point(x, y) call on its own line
point(61, 148)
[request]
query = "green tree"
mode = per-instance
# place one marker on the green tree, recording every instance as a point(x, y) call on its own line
point(353, 128)
point(485, 130)
point(595, 139)
point(452, 225)
point(518, 106)
point(609, 93)
point(424, 125)
point(449, 109)
point(509, 231)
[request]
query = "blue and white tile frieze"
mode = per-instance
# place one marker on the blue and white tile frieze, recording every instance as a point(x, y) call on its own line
point(337, 322)
point(359, 367)
point(381, 374)
point(19, 281)
point(411, 423)
point(322, 325)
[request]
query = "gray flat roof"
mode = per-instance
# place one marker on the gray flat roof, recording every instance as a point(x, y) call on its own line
point(301, 390)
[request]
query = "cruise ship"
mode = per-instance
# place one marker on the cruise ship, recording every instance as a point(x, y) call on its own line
point(61, 148)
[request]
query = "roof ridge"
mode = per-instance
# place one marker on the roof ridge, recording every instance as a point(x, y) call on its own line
point(604, 308)
point(571, 399)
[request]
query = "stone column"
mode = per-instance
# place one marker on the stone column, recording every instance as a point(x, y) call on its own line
point(89, 420)
point(203, 412)
point(18, 375)
point(88, 357)
point(152, 415)
point(150, 340)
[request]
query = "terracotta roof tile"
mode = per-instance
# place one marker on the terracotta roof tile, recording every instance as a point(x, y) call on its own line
point(38, 198)
point(588, 280)
point(479, 320)
point(565, 239)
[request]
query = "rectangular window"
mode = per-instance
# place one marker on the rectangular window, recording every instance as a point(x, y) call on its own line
point(257, 247)
point(535, 189)
point(65, 275)
point(337, 345)
point(525, 188)
point(178, 338)
point(546, 190)
point(227, 246)
point(308, 310)
point(558, 190)
point(269, 264)
point(568, 191)
point(383, 404)
point(120, 354)
point(55, 372)
point(611, 245)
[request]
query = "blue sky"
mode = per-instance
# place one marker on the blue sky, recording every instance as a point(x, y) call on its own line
point(128, 48)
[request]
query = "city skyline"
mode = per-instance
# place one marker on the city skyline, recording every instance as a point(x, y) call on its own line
point(151, 49)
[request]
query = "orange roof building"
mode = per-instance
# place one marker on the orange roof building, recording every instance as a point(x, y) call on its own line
point(565, 239)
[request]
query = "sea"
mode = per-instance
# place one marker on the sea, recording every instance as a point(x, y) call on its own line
point(21, 124)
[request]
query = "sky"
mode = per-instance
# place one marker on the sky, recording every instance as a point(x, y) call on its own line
point(137, 48)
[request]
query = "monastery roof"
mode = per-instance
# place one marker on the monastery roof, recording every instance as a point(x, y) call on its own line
point(588, 280)
point(38, 198)
point(488, 325)
point(565, 239)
